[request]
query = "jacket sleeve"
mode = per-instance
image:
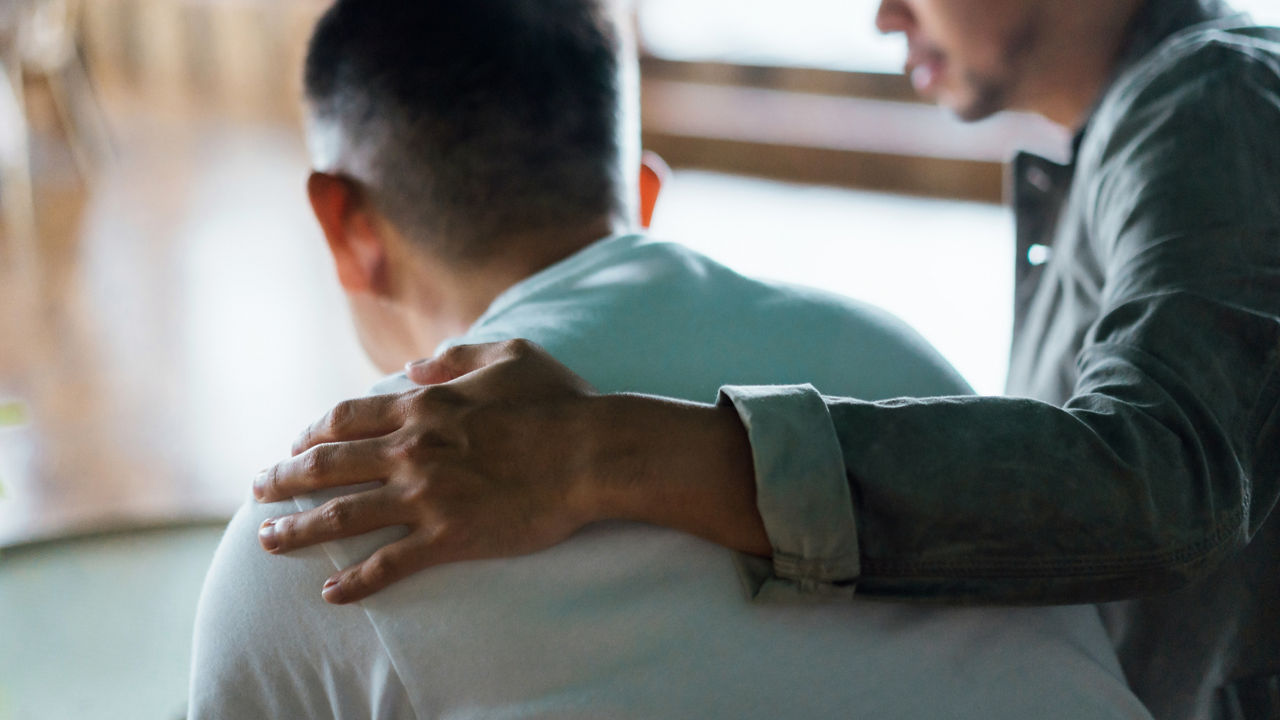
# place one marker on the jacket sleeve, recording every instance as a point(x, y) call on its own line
point(1163, 462)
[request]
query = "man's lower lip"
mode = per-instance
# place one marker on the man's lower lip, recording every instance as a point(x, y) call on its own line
point(925, 76)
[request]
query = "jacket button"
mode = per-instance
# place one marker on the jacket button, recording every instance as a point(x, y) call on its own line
point(1039, 254)
point(1038, 178)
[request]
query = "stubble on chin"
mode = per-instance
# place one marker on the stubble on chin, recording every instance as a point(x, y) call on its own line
point(985, 97)
point(988, 93)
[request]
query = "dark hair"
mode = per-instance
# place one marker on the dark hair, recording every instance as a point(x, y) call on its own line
point(478, 117)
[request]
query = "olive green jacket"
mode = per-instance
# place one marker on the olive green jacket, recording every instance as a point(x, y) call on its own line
point(1136, 457)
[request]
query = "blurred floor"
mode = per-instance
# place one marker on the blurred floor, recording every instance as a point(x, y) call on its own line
point(100, 627)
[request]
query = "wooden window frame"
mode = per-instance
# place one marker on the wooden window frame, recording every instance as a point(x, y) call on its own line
point(799, 158)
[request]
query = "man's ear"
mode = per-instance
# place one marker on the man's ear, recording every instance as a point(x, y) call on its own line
point(351, 230)
point(653, 173)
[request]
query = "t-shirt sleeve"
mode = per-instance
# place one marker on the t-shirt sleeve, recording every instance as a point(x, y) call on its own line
point(268, 646)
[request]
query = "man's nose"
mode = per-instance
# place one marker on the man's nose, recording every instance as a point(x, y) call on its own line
point(894, 16)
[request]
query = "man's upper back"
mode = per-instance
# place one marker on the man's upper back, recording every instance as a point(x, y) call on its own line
point(634, 315)
point(627, 620)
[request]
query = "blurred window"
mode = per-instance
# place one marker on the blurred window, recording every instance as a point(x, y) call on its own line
point(824, 34)
point(810, 91)
point(1265, 12)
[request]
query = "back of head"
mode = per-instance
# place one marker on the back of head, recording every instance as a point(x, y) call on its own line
point(469, 121)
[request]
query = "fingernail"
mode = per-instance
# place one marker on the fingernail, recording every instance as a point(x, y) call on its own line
point(267, 536)
point(331, 589)
point(260, 485)
point(416, 363)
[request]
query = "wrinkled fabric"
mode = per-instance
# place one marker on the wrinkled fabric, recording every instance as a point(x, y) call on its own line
point(812, 533)
point(1135, 457)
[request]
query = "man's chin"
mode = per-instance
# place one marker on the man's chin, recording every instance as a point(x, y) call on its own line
point(972, 115)
point(965, 105)
point(971, 108)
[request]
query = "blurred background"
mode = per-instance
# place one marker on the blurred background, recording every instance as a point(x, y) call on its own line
point(169, 320)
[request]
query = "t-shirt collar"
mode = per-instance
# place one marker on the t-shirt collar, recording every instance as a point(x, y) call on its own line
point(588, 257)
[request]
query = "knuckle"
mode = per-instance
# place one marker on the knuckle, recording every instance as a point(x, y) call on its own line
point(520, 348)
point(318, 460)
point(451, 533)
point(418, 401)
point(436, 397)
point(379, 570)
point(459, 541)
point(336, 514)
point(408, 449)
point(401, 451)
point(431, 401)
point(341, 416)
point(453, 355)
point(418, 494)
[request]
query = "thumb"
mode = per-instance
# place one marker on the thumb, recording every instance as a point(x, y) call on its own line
point(460, 360)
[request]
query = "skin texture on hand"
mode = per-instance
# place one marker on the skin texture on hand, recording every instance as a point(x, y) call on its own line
point(505, 452)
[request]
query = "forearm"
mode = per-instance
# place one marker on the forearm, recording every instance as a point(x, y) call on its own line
point(1020, 501)
point(982, 499)
point(680, 465)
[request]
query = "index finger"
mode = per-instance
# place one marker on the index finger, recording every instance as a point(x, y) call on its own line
point(323, 466)
point(355, 419)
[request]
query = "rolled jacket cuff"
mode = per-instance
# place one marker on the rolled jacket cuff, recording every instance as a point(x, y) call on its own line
point(802, 493)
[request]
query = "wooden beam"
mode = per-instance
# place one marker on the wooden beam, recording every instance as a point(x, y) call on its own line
point(951, 178)
point(841, 83)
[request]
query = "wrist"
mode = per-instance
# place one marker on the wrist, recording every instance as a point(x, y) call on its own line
point(614, 444)
point(681, 465)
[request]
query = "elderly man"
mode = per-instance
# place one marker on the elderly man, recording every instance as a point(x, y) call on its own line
point(472, 180)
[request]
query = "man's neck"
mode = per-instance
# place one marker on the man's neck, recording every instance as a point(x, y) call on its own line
point(448, 297)
point(1080, 60)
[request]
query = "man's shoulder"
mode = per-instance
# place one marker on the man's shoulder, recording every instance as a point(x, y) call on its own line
point(658, 317)
point(1203, 105)
point(664, 289)
point(1225, 46)
point(670, 274)
point(259, 612)
point(1228, 59)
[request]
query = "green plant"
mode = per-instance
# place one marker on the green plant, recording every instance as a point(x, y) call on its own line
point(12, 414)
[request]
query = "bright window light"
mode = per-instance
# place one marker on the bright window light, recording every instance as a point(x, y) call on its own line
point(829, 34)
point(834, 34)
